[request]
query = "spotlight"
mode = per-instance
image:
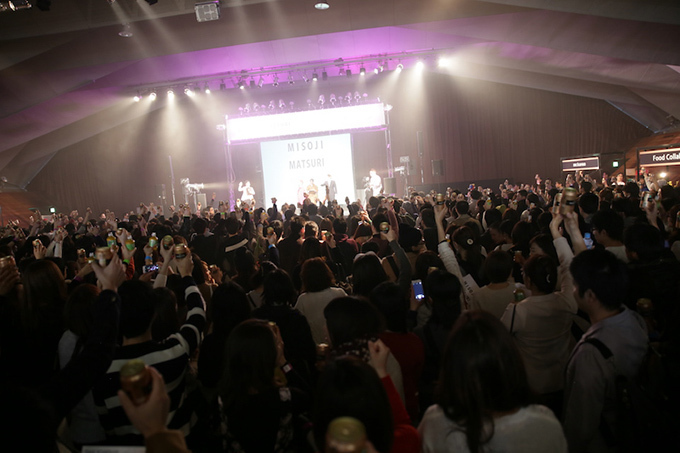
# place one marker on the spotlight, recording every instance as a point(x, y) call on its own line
point(348, 73)
point(443, 62)
point(207, 10)
point(315, 76)
point(305, 78)
point(322, 5)
point(662, 174)
point(260, 82)
point(171, 93)
point(137, 98)
point(241, 85)
point(399, 67)
point(206, 88)
point(290, 79)
point(324, 75)
point(53, 210)
point(126, 32)
point(16, 5)
point(377, 70)
point(152, 95)
point(362, 71)
point(276, 80)
point(252, 83)
point(188, 91)
point(223, 86)
point(420, 65)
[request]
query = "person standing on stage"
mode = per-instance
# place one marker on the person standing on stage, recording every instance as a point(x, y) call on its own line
point(301, 194)
point(313, 192)
point(375, 182)
point(331, 189)
point(247, 191)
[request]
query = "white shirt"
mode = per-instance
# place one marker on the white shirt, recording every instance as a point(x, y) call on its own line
point(312, 305)
point(531, 429)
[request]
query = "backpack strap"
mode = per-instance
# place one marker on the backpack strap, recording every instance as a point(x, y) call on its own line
point(604, 350)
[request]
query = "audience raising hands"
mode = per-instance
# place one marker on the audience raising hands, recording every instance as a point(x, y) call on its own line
point(482, 316)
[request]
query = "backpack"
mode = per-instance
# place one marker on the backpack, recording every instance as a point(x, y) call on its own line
point(646, 417)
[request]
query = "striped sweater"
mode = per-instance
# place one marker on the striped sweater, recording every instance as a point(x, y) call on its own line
point(170, 357)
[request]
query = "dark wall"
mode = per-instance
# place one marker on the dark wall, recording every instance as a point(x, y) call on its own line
point(480, 130)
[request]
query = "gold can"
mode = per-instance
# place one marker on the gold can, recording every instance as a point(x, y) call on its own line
point(440, 199)
point(181, 251)
point(557, 202)
point(7, 261)
point(135, 380)
point(345, 434)
point(168, 241)
point(384, 227)
point(568, 202)
point(103, 255)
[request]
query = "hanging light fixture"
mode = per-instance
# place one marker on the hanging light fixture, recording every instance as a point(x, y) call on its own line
point(322, 5)
point(126, 32)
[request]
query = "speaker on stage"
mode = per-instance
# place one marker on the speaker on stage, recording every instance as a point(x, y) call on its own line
point(390, 186)
point(437, 167)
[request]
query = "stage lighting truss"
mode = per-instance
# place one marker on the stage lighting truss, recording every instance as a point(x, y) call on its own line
point(309, 72)
point(254, 109)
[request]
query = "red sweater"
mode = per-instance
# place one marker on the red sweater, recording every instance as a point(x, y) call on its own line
point(406, 437)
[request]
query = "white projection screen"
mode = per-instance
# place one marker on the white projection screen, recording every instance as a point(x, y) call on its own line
point(288, 165)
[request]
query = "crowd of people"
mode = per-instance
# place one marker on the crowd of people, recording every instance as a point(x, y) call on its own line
point(477, 320)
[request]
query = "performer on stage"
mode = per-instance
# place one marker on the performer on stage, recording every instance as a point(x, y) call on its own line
point(331, 190)
point(313, 192)
point(375, 182)
point(247, 191)
point(301, 193)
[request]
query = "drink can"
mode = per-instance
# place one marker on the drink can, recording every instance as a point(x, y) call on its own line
point(7, 261)
point(384, 227)
point(168, 241)
point(180, 251)
point(135, 380)
point(345, 434)
point(103, 255)
point(569, 197)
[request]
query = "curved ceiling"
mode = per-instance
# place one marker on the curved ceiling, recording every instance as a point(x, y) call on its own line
point(65, 73)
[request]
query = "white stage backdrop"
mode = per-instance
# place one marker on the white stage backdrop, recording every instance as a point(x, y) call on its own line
point(289, 165)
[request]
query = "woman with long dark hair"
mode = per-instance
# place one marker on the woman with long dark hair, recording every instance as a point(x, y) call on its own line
point(260, 392)
point(483, 400)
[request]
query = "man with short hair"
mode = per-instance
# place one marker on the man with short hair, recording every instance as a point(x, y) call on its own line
point(608, 231)
point(600, 285)
point(170, 356)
